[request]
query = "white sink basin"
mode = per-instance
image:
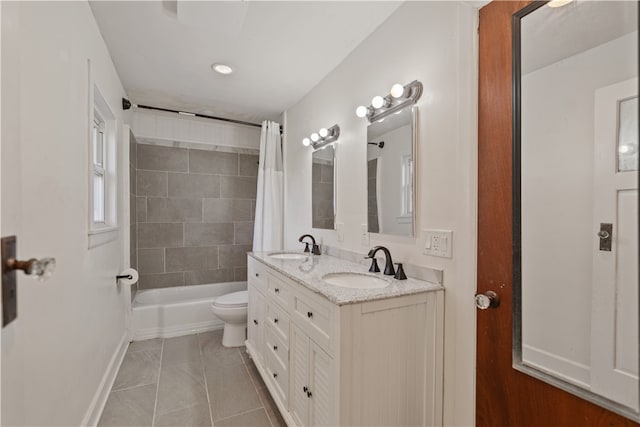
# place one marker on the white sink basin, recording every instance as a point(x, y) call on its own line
point(288, 255)
point(355, 280)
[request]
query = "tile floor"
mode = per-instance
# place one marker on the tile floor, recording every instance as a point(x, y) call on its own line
point(189, 381)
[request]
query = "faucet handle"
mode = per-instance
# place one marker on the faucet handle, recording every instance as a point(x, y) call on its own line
point(400, 272)
point(374, 265)
point(315, 249)
point(306, 247)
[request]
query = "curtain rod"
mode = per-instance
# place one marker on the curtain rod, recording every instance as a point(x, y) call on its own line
point(126, 104)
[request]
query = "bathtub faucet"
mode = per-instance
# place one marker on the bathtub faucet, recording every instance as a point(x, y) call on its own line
point(315, 249)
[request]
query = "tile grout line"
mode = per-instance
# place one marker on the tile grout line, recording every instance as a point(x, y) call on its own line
point(255, 387)
point(206, 385)
point(155, 403)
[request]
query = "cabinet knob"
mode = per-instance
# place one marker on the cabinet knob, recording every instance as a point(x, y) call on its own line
point(275, 347)
point(305, 389)
point(277, 290)
point(275, 375)
point(309, 394)
point(255, 322)
point(257, 275)
point(275, 320)
point(309, 314)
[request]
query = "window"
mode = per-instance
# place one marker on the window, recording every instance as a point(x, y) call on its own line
point(102, 171)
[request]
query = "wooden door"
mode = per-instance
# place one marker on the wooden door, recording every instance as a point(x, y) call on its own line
point(504, 396)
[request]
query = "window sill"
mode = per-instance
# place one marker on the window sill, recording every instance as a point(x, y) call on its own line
point(102, 236)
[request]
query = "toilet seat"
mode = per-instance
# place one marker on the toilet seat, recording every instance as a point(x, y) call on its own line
point(234, 299)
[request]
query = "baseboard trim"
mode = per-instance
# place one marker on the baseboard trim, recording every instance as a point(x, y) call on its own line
point(176, 331)
point(93, 414)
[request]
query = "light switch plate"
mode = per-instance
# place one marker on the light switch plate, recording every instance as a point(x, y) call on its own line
point(438, 243)
point(364, 235)
point(340, 231)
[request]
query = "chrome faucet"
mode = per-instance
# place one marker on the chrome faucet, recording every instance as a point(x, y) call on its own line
point(315, 249)
point(388, 268)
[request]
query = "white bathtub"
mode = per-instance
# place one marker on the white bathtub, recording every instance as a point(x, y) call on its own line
point(181, 310)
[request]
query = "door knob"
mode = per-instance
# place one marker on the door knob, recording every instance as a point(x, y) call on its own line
point(487, 300)
point(40, 269)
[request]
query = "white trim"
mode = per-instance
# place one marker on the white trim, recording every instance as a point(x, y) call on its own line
point(561, 367)
point(94, 412)
point(102, 236)
point(177, 331)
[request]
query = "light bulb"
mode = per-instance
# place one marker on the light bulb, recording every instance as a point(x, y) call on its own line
point(306, 142)
point(362, 111)
point(315, 137)
point(377, 101)
point(397, 90)
point(323, 132)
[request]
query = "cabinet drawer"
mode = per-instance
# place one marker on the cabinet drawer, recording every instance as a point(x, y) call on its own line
point(257, 274)
point(278, 320)
point(279, 291)
point(315, 318)
point(277, 346)
point(278, 376)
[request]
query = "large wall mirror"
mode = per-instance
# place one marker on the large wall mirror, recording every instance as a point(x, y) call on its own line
point(390, 173)
point(575, 199)
point(323, 194)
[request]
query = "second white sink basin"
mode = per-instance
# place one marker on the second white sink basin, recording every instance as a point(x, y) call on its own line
point(355, 280)
point(288, 255)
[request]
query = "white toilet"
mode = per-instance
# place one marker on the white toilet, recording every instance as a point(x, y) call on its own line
point(232, 310)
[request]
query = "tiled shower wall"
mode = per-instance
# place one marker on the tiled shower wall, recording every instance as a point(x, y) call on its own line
point(133, 235)
point(195, 211)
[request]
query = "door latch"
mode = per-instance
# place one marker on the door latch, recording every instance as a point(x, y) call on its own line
point(605, 235)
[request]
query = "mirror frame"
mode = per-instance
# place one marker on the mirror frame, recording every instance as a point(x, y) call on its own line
point(335, 186)
point(414, 151)
point(517, 361)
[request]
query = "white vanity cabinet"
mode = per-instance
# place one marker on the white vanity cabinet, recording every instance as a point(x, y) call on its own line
point(377, 362)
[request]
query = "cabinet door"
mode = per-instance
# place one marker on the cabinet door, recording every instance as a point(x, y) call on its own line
point(299, 376)
point(255, 320)
point(322, 409)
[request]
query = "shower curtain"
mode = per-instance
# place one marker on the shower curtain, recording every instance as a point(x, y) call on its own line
point(268, 228)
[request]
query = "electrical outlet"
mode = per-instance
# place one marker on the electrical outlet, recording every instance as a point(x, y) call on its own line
point(438, 243)
point(364, 235)
point(340, 231)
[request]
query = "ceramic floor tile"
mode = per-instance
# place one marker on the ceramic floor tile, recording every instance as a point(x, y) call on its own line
point(257, 418)
point(214, 354)
point(272, 410)
point(131, 407)
point(253, 372)
point(181, 386)
point(181, 349)
point(138, 368)
point(153, 344)
point(195, 416)
point(231, 391)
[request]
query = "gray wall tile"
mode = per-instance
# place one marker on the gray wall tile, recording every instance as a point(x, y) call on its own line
point(141, 209)
point(133, 249)
point(159, 235)
point(173, 209)
point(234, 255)
point(208, 234)
point(154, 157)
point(209, 276)
point(150, 183)
point(232, 187)
point(227, 210)
point(194, 185)
point(214, 162)
point(248, 165)
point(240, 274)
point(243, 233)
point(183, 259)
point(166, 280)
point(151, 261)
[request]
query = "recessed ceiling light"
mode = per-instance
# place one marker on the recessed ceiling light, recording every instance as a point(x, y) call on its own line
point(222, 68)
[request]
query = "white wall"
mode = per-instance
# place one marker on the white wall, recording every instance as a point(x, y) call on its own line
point(69, 328)
point(558, 234)
point(171, 127)
point(434, 42)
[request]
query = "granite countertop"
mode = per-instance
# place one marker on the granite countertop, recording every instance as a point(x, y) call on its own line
point(309, 272)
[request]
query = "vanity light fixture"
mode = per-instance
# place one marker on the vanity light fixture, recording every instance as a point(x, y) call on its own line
point(399, 97)
point(322, 138)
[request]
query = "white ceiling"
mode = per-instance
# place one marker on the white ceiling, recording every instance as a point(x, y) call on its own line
point(163, 50)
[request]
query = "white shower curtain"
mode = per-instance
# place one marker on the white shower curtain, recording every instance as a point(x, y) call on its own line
point(268, 227)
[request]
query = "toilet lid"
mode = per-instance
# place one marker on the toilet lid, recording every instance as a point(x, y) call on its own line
point(234, 299)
